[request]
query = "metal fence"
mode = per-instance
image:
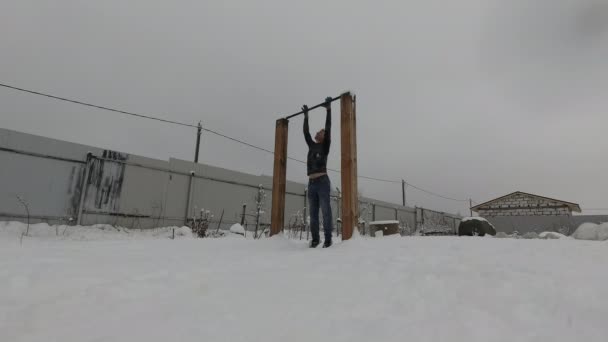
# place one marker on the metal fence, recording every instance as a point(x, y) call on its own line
point(68, 183)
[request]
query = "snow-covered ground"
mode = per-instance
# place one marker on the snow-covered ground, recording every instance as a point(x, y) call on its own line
point(234, 289)
point(42, 231)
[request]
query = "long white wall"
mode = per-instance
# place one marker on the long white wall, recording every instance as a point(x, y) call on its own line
point(138, 192)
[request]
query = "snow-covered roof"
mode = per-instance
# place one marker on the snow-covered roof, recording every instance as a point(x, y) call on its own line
point(380, 223)
point(572, 206)
point(476, 218)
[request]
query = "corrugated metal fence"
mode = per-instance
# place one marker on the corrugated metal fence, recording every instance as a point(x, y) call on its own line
point(138, 192)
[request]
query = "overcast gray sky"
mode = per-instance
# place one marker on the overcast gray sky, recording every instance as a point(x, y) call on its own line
point(471, 98)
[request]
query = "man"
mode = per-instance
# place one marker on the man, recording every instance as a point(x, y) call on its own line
point(319, 186)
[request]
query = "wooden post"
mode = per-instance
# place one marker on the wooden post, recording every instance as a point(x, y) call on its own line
point(354, 156)
point(350, 198)
point(279, 178)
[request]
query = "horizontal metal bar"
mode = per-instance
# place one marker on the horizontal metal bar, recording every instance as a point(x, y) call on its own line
point(119, 214)
point(311, 108)
point(36, 217)
point(40, 155)
point(392, 207)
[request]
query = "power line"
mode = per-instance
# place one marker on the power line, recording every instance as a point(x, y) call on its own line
point(97, 106)
point(218, 134)
point(381, 180)
point(436, 194)
point(237, 140)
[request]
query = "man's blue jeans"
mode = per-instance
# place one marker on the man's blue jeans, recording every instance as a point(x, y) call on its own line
point(318, 198)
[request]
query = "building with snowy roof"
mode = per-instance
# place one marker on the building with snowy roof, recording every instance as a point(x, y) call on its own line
point(525, 204)
point(524, 212)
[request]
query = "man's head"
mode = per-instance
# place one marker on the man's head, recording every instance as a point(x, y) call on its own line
point(320, 136)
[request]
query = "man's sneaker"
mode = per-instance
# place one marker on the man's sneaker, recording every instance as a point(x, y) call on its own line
point(314, 243)
point(327, 244)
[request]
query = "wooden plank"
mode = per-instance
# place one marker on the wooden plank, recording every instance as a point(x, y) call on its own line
point(350, 202)
point(279, 179)
point(355, 168)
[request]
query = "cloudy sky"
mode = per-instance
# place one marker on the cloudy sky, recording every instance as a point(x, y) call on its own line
point(470, 99)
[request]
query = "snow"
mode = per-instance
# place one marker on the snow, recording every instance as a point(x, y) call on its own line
point(530, 235)
point(381, 223)
point(237, 229)
point(552, 235)
point(184, 231)
point(591, 231)
point(14, 230)
point(474, 218)
point(146, 287)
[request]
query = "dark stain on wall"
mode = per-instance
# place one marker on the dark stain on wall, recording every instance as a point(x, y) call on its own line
point(71, 180)
point(105, 181)
point(75, 189)
point(107, 154)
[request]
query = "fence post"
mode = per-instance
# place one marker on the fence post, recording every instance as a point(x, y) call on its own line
point(259, 199)
point(243, 214)
point(84, 185)
point(422, 218)
point(373, 211)
point(415, 218)
point(471, 207)
point(396, 214)
point(403, 184)
point(188, 198)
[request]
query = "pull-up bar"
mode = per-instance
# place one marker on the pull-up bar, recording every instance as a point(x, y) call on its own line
point(314, 107)
point(348, 142)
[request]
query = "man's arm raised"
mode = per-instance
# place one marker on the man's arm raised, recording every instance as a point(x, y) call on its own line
point(327, 141)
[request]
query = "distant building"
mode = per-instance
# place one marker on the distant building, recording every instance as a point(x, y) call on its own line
point(524, 212)
point(525, 204)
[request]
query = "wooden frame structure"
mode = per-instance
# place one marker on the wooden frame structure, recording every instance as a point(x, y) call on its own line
point(350, 198)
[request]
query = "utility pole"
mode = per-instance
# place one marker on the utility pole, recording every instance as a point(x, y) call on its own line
point(198, 141)
point(471, 207)
point(403, 185)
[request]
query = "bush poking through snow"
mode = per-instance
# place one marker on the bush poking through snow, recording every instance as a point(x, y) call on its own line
point(27, 211)
point(592, 231)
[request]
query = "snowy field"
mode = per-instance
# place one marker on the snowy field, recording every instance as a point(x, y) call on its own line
point(126, 286)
